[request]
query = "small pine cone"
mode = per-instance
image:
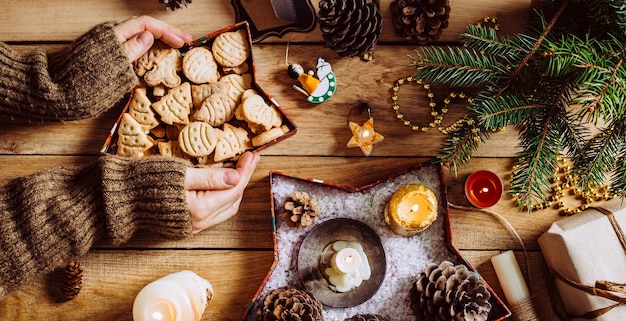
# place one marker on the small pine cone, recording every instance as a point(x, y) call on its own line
point(175, 4)
point(367, 317)
point(350, 27)
point(449, 292)
point(289, 303)
point(72, 280)
point(420, 21)
point(300, 209)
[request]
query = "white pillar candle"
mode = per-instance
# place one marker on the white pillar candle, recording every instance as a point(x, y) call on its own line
point(179, 296)
point(510, 277)
point(347, 260)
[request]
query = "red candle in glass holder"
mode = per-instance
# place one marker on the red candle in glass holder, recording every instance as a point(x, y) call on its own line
point(483, 188)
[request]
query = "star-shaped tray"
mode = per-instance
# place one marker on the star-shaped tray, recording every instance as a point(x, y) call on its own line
point(405, 256)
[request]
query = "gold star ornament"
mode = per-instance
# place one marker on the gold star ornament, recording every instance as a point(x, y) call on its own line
point(364, 136)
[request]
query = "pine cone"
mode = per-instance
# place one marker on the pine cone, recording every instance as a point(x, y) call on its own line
point(289, 303)
point(448, 292)
point(72, 280)
point(367, 317)
point(300, 209)
point(350, 27)
point(175, 4)
point(420, 21)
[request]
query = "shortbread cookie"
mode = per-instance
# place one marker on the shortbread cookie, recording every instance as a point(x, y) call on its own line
point(139, 108)
point(146, 62)
point(237, 84)
point(247, 93)
point(216, 110)
point(200, 67)
point(200, 92)
point(132, 141)
point(241, 69)
point(233, 142)
point(198, 139)
point(174, 108)
point(258, 114)
point(165, 69)
point(231, 49)
point(170, 148)
point(269, 135)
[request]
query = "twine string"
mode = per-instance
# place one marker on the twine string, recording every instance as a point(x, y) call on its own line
point(507, 225)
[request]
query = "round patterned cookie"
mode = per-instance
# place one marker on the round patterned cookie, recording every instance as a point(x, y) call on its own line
point(231, 49)
point(198, 138)
point(200, 67)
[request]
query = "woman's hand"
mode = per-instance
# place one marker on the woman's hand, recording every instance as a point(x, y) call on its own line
point(214, 194)
point(137, 34)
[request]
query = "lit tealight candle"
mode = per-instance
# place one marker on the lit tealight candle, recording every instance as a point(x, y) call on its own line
point(349, 266)
point(483, 188)
point(366, 135)
point(412, 209)
point(347, 260)
point(178, 296)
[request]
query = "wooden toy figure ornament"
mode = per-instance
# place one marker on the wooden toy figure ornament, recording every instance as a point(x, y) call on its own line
point(318, 86)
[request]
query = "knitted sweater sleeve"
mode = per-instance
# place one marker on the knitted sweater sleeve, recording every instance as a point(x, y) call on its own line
point(82, 82)
point(55, 215)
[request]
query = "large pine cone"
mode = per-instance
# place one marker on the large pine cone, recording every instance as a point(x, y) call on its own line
point(420, 21)
point(367, 317)
point(289, 303)
point(300, 209)
point(350, 27)
point(447, 292)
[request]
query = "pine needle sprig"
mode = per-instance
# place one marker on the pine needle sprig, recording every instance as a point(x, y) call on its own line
point(486, 40)
point(459, 67)
point(598, 158)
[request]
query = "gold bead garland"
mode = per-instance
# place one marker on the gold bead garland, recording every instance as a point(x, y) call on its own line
point(437, 116)
point(564, 181)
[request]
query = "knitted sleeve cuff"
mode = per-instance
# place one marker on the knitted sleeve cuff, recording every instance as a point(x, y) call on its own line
point(145, 193)
point(94, 74)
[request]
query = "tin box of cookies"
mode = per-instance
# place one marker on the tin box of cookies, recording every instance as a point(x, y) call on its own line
point(199, 102)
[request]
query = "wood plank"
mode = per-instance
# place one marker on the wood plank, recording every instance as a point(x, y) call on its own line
point(251, 228)
point(112, 279)
point(64, 20)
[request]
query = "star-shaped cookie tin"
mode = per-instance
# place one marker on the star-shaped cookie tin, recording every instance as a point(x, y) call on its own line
point(404, 257)
point(287, 128)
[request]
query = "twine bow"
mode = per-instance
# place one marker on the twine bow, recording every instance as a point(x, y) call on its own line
point(603, 288)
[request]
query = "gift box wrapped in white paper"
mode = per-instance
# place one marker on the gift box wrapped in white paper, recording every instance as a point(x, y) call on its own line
point(584, 251)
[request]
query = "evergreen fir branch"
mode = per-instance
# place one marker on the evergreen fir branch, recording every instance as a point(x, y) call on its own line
point(518, 72)
point(618, 179)
point(458, 67)
point(573, 134)
point(598, 158)
point(457, 150)
point(486, 41)
point(493, 112)
point(531, 177)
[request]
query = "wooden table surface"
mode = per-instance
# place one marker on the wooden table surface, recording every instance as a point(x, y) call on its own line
point(236, 255)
